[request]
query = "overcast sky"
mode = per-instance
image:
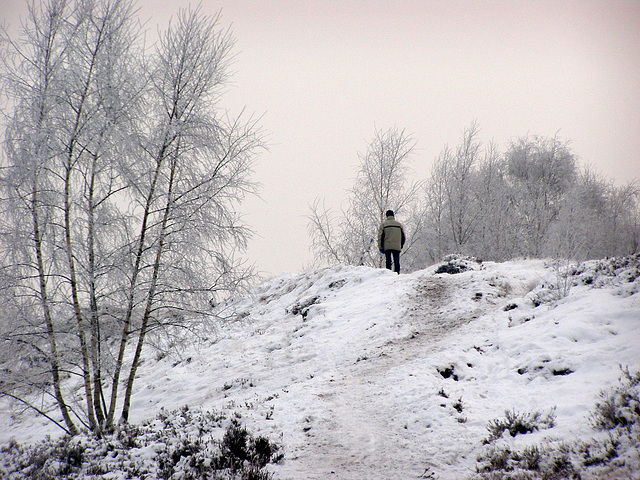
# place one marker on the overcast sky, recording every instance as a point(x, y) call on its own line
point(325, 74)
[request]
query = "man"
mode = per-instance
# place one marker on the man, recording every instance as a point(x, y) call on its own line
point(391, 240)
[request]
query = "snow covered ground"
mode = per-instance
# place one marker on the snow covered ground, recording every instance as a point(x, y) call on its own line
point(364, 374)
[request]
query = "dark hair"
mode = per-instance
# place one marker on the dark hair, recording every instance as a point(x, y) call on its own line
point(389, 213)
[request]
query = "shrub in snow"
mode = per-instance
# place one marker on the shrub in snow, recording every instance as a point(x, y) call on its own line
point(598, 273)
point(615, 454)
point(617, 418)
point(448, 372)
point(550, 462)
point(458, 405)
point(302, 307)
point(519, 423)
point(531, 463)
point(49, 459)
point(619, 406)
point(182, 444)
point(510, 306)
point(458, 264)
point(622, 271)
point(565, 275)
point(239, 448)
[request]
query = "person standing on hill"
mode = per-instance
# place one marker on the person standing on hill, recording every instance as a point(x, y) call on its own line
point(391, 240)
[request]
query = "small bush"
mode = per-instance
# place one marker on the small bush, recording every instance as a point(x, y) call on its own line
point(450, 268)
point(510, 306)
point(458, 264)
point(531, 463)
point(519, 424)
point(448, 372)
point(183, 443)
point(614, 455)
point(240, 454)
point(239, 448)
point(302, 307)
point(496, 459)
point(599, 453)
point(617, 414)
point(530, 458)
point(620, 406)
point(442, 393)
point(234, 448)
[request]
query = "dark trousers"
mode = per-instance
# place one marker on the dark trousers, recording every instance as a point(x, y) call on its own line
point(396, 259)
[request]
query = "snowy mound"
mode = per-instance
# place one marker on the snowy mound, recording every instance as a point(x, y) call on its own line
point(364, 374)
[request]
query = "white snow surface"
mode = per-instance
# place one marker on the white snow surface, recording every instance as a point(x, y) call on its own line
point(341, 366)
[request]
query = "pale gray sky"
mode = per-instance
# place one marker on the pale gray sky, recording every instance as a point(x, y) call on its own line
point(324, 74)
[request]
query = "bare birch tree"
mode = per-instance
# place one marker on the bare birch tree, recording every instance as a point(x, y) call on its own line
point(121, 187)
point(596, 219)
point(530, 201)
point(436, 239)
point(462, 214)
point(381, 184)
point(451, 210)
point(31, 177)
point(542, 170)
point(493, 236)
point(200, 164)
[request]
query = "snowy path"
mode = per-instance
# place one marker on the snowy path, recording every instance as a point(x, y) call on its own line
point(361, 433)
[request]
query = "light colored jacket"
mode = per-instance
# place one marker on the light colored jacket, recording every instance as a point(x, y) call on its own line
point(391, 235)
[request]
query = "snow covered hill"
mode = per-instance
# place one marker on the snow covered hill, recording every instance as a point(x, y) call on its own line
point(364, 374)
